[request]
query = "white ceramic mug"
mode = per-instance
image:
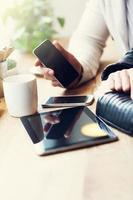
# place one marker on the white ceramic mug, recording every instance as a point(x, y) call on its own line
point(3, 69)
point(20, 93)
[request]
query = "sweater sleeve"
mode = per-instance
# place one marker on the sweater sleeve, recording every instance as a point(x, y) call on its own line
point(89, 39)
point(125, 63)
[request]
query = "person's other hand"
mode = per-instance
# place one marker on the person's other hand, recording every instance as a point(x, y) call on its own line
point(49, 73)
point(121, 81)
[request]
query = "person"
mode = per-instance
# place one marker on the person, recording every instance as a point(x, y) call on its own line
point(100, 19)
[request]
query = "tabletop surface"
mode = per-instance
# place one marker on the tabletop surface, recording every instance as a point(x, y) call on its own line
point(96, 173)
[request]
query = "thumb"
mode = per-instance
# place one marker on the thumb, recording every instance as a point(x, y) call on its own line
point(72, 60)
point(64, 52)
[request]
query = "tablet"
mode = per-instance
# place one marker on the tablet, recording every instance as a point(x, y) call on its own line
point(66, 129)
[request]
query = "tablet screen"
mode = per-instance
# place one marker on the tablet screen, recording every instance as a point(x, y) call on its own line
point(66, 129)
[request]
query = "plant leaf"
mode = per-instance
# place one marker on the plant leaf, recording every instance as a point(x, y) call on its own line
point(61, 21)
point(11, 64)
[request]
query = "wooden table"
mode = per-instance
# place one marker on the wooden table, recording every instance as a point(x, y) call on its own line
point(104, 172)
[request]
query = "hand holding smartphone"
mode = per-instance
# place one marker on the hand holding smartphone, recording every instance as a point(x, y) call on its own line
point(52, 58)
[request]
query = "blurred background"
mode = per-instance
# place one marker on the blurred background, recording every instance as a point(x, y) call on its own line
point(25, 23)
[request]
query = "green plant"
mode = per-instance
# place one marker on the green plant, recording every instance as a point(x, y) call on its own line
point(34, 21)
point(11, 64)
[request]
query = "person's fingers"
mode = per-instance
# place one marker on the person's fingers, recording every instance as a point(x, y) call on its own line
point(111, 82)
point(48, 74)
point(56, 83)
point(130, 73)
point(131, 92)
point(38, 63)
point(61, 49)
point(125, 80)
point(121, 81)
point(118, 83)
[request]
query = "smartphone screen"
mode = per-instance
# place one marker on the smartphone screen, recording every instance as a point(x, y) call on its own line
point(52, 58)
point(67, 101)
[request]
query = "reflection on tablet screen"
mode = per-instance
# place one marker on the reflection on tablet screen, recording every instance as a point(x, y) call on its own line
point(67, 127)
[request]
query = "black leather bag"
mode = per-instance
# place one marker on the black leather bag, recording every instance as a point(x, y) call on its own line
point(116, 109)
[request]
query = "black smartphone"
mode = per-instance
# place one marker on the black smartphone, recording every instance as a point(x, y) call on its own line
point(52, 58)
point(69, 100)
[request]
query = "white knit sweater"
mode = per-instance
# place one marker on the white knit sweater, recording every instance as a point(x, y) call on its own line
point(100, 19)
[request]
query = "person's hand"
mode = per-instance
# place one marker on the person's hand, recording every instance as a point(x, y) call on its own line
point(121, 81)
point(49, 73)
